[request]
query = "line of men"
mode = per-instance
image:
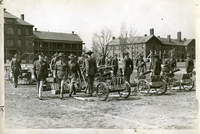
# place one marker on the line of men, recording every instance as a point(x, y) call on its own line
point(72, 69)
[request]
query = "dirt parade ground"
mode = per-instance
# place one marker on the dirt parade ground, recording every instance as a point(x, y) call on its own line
point(174, 110)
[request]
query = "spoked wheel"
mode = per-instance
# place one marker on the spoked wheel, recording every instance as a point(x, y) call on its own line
point(143, 87)
point(188, 84)
point(102, 91)
point(162, 89)
point(174, 84)
point(126, 93)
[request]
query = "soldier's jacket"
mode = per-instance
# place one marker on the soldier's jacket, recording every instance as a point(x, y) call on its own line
point(15, 66)
point(189, 65)
point(115, 63)
point(156, 66)
point(61, 69)
point(165, 66)
point(40, 70)
point(74, 69)
point(90, 66)
point(127, 66)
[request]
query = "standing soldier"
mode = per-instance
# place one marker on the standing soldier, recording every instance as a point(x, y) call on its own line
point(15, 69)
point(91, 69)
point(172, 61)
point(74, 72)
point(61, 72)
point(40, 69)
point(189, 64)
point(115, 65)
point(156, 64)
point(165, 66)
point(127, 67)
point(52, 64)
point(140, 64)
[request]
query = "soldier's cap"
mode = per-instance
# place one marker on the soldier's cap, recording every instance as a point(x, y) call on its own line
point(60, 55)
point(188, 55)
point(41, 54)
point(89, 52)
point(72, 56)
point(126, 53)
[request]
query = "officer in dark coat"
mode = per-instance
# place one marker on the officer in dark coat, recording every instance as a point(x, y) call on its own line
point(15, 69)
point(189, 64)
point(115, 65)
point(91, 70)
point(156, 64)
point(127, 66)
point(74, 73)
point(40, 70)
point(61, 72)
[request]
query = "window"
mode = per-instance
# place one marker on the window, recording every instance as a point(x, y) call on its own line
point(10, 30)
point(19, 31)
point(27, 32)
point(19, 43)
point(10, 42)
point(27, 43)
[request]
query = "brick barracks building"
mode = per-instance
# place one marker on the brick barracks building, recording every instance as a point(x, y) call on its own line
point(20, 38)
point(143, 44)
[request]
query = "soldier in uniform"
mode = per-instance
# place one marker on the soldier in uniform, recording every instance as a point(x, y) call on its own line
point(40, 70)
point(165, 66)
point(15, 69)
point(74, 72)
point(52, 64)
point(61, 72)
point(115, 65)
point(156, 64)
point(172, 61)
point(91, 69)
point(140, 64)
point(127, 66)
point(189, 64)
point(101, 62)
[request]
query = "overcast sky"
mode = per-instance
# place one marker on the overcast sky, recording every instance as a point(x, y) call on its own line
point(85, 17)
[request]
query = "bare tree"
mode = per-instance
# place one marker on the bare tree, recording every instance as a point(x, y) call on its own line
point(127, 39)
point(101, 42)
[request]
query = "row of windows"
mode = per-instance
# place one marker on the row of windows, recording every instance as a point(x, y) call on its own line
point(57, 45)
point(10, 42)
point(19, 31)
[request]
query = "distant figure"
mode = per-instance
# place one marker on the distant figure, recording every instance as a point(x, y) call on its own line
point(127, 67)
point(91, 70)
point(40, 70)
point(115, 65)
point(52, 65)
point(15, 69)
point(165, 64)
point(189, 64)
point(140, 64)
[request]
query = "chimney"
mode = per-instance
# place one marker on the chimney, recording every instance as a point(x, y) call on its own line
point(72, 32)
point(145, 34)
point(152, 31)
point(179, 36)
point(158, 36)
point(184, 39)
point(35, 29)
point(113, 38)
point(22, 16)
point(4, 9)
point(169, 38)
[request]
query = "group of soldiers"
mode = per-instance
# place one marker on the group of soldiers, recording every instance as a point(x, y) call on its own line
point(86, 67)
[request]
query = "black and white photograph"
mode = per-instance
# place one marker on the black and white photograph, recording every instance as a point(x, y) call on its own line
point(99, 66)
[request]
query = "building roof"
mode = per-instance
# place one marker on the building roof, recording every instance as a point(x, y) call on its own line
point(175, 42)
point(19, 21)
point(138, 39)
point(56, 36)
